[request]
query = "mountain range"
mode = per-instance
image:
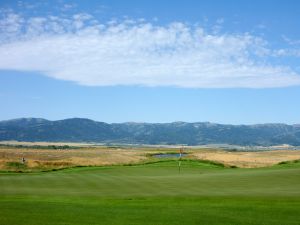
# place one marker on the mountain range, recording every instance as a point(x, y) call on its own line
point(198, 133)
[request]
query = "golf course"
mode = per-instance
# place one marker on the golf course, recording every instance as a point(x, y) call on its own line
point(202, 192)
point(149, 112)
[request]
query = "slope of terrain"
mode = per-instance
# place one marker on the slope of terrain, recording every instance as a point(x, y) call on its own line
point(156, 193)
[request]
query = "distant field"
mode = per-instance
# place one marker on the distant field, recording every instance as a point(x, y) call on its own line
point(156, 193)
point(26, 143)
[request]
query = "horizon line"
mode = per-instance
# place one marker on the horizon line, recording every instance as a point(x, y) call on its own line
point(140, 122)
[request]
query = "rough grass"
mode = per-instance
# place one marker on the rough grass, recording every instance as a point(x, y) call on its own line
point(45, 159)
point(16, 165)
point(289, 162)
point(53, 159)
point(248, 159)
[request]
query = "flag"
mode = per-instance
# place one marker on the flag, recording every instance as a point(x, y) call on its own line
point(179, 161)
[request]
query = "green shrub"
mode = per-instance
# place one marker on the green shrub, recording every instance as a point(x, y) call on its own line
point(16, 165)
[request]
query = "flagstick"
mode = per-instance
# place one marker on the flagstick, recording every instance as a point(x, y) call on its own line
point(179, 162)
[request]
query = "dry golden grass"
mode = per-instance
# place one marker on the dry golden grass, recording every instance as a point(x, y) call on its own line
point(248, 159)
point(50, 158)
point(37, 159)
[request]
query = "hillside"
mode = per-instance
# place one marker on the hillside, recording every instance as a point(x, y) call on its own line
point(85, 130)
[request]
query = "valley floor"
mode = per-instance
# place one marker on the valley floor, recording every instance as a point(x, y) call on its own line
point(45, 158)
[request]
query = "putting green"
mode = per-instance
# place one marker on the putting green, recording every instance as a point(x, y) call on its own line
point(201, 193)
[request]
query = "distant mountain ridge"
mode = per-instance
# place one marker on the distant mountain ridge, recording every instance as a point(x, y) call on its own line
point(86, 130)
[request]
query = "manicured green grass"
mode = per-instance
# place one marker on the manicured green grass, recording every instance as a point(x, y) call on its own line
point(203, 193)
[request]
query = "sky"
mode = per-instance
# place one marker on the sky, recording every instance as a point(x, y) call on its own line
point(231, 62)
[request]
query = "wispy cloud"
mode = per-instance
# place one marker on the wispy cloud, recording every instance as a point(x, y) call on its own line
point(290, 41)
point(81, 49)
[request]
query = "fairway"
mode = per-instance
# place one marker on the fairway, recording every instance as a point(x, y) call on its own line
point(153, 193)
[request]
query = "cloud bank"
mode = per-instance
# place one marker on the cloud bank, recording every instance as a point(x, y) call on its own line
point(81, 49)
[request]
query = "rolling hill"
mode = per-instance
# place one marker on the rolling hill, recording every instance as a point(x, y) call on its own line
point(86, 130)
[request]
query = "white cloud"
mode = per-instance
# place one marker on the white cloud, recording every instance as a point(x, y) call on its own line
point(85, 51)
point(290, 41)
point(68, 6)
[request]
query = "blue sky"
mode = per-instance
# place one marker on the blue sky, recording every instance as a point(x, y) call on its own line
point(233, 62)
